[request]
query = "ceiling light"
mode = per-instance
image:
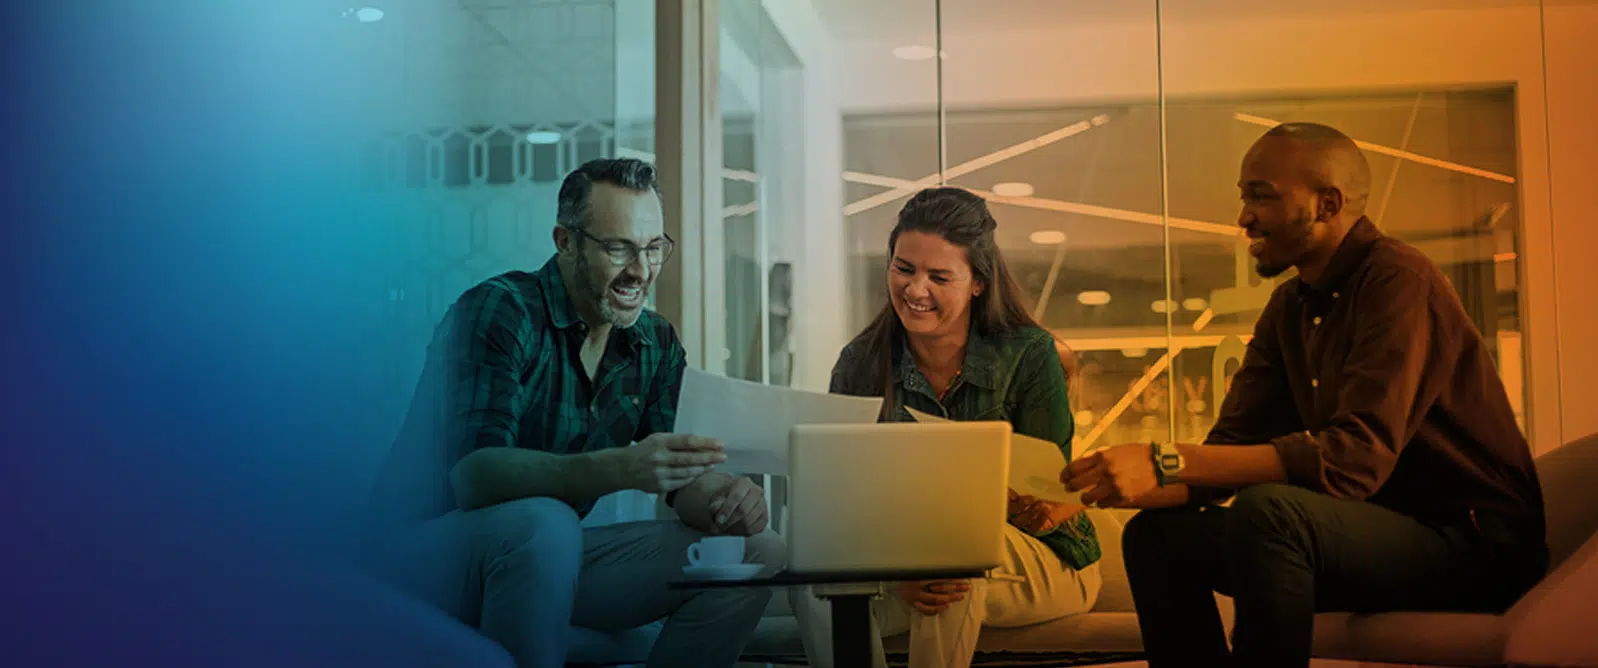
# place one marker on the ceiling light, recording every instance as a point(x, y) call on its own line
point(1100, 119)
point(1013, 189)
point(1047, 237)
point(543, 137)
point(1094, 298)
point(1163, 306)
point(1194, 304)
point(368, 15)
point(917, 52)
point(1134, 353)
point(1083, 418)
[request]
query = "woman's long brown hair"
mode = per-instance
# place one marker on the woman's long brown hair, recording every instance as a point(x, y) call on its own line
point(960, 218)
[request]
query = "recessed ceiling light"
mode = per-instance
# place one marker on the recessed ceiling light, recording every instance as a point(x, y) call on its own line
point(1163, 306)
point(368, 15)
point(1134, 353)
point(1094, 298)
point(1013, 189)
point(1047, 237)
point(543, 137)
point(917, 52)
point(1194, 304)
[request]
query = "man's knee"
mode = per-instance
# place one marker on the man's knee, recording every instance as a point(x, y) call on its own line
point(542, 529)
point(1267, 511)
point(1152, 534)
point(766, 548)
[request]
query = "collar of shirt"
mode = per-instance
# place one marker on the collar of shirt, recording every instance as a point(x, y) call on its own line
point(981, 358)
point(563, 312)
point(1348, 258)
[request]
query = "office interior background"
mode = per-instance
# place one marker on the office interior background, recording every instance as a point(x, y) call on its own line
point(1105, 133)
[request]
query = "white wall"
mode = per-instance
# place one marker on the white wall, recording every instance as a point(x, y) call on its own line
point(1573, 127)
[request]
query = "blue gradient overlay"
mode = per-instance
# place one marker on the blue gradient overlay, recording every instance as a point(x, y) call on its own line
point(182, 282)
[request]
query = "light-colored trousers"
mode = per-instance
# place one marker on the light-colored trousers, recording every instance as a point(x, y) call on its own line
point(524, 571)
point(948, 640)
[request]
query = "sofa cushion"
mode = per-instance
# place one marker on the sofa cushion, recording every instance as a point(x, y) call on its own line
point(1114, 595)
point(1434, 638)
point(1552, 625)
point(1570, 496)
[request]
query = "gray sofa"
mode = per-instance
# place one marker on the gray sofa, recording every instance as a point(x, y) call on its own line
point(1556, 624)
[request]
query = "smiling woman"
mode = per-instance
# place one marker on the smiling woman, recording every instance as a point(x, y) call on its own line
point(955, 340)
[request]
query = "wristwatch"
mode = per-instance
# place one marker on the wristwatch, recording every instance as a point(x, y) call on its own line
point(1168, 463)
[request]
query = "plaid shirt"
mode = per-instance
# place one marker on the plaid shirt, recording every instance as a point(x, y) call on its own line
point(1015, 377)
point(504, 370)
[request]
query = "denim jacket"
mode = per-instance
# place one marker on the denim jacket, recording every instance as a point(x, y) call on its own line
point(1014, 377)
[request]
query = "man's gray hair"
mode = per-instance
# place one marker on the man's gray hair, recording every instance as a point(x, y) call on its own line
point(573, 208)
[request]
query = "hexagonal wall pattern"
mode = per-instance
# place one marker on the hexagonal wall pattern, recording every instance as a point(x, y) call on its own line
point(474, 202)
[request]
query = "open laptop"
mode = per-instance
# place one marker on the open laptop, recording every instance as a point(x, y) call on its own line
point(897, 497)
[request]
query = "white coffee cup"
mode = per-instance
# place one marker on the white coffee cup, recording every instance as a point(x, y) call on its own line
point(717, 551)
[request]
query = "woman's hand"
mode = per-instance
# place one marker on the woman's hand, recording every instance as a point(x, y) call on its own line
point(1037, 516)
point(930, 597)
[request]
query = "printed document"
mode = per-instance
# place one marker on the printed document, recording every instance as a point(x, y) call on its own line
point(753, 420)
point(1035, 465)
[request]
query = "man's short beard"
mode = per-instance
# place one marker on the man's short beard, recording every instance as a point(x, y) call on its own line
point(596, 295)
point(1270, 270)
point(1297, 231)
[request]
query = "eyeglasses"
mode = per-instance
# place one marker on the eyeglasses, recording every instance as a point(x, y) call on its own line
point(622, 252)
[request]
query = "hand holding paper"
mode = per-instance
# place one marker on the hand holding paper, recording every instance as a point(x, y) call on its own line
point(752, 420)
point(1035, 465)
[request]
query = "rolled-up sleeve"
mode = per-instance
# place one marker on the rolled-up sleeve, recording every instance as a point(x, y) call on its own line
point(1392, 375)
point(1258, 403)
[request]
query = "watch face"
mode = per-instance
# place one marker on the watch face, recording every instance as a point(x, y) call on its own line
point(1170, 461)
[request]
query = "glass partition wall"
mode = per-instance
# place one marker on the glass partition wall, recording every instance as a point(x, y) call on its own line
point(1105, 133)
point(1107, 136)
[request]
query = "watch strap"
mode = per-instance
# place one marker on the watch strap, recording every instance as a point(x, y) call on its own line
point(1154, 457)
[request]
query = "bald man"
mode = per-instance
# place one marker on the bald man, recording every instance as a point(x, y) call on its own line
point(1367, 444)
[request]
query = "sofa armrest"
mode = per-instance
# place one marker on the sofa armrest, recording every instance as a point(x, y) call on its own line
point(1552, 624)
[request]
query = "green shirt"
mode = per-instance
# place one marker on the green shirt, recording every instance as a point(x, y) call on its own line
point(503, 370)
point(1014, 377)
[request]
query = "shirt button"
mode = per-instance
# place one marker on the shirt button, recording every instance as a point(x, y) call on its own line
point(1314, 382)
point(1317, 320)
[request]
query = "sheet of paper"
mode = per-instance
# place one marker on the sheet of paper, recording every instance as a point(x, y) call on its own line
point(752, 420)
point(1035, 465)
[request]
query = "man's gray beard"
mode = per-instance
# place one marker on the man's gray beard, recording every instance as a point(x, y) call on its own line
point(597, 295)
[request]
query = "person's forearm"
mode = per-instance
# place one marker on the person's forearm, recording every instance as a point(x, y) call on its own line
point(1169, 496)
point(1231, 466)
point(494, 475)
point(693, 500)
point(1214, 466)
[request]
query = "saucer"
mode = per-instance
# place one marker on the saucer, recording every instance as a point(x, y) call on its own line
point(723, 571)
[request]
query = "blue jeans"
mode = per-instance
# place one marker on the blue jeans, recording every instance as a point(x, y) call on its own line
point(523, 571)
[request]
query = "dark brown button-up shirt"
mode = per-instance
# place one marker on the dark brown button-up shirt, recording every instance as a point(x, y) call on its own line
point(1375, 385)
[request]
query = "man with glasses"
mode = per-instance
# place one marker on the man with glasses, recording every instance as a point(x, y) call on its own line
point(542, 392)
